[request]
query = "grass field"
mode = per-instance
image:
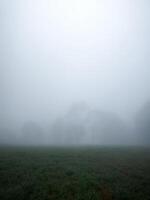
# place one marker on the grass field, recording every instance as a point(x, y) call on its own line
point(77, 173)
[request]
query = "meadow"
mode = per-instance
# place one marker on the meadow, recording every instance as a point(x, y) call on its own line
point(74, 173)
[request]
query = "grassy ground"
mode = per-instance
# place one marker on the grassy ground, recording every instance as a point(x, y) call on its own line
point(85, 173)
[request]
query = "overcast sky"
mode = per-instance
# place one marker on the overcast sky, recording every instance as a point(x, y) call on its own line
point(57, 52)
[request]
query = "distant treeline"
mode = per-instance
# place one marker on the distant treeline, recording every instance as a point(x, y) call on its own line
point(82, 125)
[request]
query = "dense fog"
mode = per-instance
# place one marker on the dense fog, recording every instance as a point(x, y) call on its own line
point(74, 72)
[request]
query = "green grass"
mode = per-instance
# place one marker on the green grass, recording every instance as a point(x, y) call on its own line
point(78, 173)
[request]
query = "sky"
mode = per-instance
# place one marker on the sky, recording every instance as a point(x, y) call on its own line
point(54, 53)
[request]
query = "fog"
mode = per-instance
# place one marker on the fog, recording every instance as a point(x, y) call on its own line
point(74, 72)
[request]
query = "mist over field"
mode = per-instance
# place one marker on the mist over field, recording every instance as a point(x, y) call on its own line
point(74, 100)
point(74, 72)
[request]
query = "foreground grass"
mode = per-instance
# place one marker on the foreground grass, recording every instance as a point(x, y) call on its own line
point(85, 173)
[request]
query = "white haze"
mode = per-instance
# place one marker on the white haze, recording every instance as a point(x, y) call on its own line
point(58, 53)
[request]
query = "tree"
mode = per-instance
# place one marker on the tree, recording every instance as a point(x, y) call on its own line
point(106, 128)
point(143, 124)
point(70, 129)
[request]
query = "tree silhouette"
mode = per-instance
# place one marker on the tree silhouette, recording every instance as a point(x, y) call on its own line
point(143, 123)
